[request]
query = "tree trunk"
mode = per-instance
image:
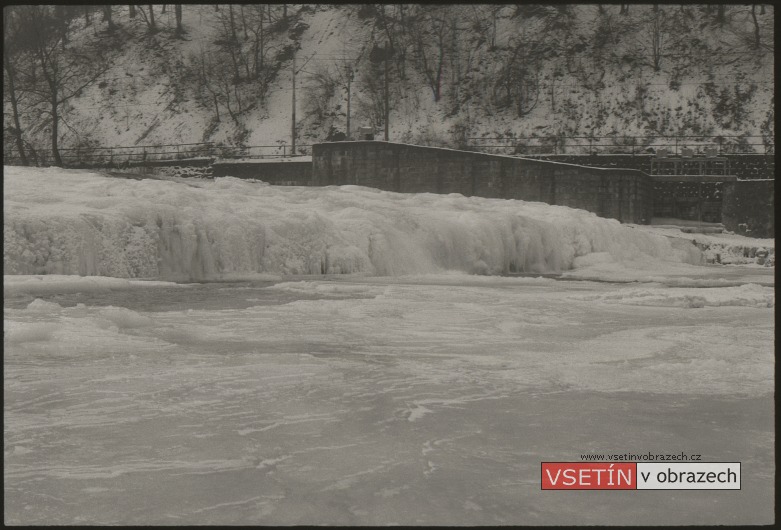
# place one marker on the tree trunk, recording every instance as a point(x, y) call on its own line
point(55, 128)
point(262, 51)
point(438, 89)
point(152, 16)
point(86, 16)
point(62, 21)
point(132, 9)
point(720, 17)
point(107, 17)
point(236, 74)
point(244, 23)
point(11, 76)
point(245, 61)
point(238, 98)
point(756, 25)
point(178, 12)
point(233, 23)
point(387, 98)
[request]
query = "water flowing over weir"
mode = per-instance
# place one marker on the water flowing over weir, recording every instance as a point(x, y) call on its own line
point(76, 222)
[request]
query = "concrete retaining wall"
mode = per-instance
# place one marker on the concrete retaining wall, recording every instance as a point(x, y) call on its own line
point(623, 194)
point(695, 200)
point(748, 208)
point(743, 166)
point(281, 172)
point(192, 167)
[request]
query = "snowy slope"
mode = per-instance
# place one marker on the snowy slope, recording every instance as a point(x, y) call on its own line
point(711, 81)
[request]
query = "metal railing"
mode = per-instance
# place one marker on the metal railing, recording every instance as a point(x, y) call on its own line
point(632, 145)
point(138, 154)
point(515, 145)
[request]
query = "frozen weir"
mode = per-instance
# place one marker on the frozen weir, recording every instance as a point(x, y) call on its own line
point(76, 222)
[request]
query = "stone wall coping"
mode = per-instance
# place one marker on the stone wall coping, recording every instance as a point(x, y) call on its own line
point(694, 178)
point(176, 162)
point(228, 161)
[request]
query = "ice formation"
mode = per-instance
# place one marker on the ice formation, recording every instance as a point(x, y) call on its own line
point(76, 222)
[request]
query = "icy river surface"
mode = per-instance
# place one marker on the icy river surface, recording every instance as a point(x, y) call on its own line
point(194, 352)
point(416, 400)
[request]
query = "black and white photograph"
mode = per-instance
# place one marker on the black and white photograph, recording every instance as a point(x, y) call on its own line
point(418, 264)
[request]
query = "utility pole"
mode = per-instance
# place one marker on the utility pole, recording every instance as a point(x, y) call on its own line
point(387, 106)
point(349, 81)
point(293, 124)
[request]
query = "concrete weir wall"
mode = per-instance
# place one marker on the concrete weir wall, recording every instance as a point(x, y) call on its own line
point(281, 172)
point(623, 194)
point(749, 208)
point(744, 166)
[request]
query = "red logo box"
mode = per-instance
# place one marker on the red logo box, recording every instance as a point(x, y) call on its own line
point(589, 475)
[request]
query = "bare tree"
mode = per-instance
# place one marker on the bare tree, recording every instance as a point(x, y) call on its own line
point(64, 72)
point(203, 65)
point(320, 94)
point(149, 18)
point(756, 26)
point(228, 41)
point(107, 18)
point(244, 22)
point(62, 21)
point(10, 34)
point(657, 35)
point(214, 76)
point(178, 13)
point(370, 100)
point(431, 45)
point(517, 82)
point(232, 24)
point(256, 24)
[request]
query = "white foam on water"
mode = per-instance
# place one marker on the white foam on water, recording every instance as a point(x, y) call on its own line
point(60, 284)
point(749, 295)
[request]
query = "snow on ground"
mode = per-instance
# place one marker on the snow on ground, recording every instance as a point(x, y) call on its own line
point(725, 248)
point(76, 222)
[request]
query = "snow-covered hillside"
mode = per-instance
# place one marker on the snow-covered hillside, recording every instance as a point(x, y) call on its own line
point(505, 70)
